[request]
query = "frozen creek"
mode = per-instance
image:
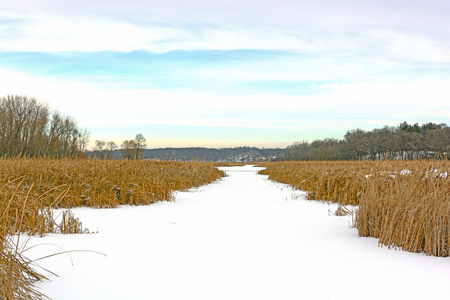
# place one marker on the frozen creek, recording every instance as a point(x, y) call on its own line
point(243, 237)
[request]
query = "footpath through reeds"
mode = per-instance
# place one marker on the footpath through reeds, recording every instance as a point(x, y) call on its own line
point(404, 204)
point(31, 188)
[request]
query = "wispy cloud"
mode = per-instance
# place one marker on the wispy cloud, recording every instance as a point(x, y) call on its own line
point(412, 29)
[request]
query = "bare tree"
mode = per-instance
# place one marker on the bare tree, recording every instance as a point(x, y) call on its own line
point(134, 149)
point(99, 149)
point(62, 136)
point(23, 122)
point(28, 129)
point(83, 140)
point(139, 144)
point(127, 149)
point(111, 146)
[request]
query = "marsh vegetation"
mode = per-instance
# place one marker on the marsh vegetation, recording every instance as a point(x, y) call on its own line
point(31, 188)
point(404, 204)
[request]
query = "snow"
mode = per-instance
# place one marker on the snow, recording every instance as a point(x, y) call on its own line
point(242, 237)
point(405, 172)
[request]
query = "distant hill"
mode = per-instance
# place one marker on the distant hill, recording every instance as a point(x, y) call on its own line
point(237, 154)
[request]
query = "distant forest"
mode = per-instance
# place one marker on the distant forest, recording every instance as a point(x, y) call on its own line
point(406, 141)
point(237, 154)
point(29, 128)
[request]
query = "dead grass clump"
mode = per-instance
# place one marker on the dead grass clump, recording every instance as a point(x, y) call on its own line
point(410, 211)
point(23, 213)
point(16, 272)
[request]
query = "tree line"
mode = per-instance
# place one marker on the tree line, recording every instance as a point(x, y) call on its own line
point(405, 141)
point(236, 154)
point(29, 129)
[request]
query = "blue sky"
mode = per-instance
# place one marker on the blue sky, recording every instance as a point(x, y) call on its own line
point(229, 73)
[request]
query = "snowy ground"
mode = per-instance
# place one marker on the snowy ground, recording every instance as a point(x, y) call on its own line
point(243, 237)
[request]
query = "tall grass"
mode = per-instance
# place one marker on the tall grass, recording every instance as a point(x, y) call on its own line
point(323, 180)
point(409, 210)
point(107, 183)
point(404, 204)
point(16, 272)
point(30, 188)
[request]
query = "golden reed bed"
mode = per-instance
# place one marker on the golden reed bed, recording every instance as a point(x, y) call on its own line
point(29, 188)
point(404, 204)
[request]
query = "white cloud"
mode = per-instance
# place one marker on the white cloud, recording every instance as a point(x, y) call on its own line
point(50, 33)
point(95, 107)
point(53, 33)
point(413, 46)
point(319, 28)
point(428, 94)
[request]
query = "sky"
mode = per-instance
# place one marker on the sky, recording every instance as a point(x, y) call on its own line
point(228, 73)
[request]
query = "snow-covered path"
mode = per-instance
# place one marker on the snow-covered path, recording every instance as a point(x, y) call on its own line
point(243, 237)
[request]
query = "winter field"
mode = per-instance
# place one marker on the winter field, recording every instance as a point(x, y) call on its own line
point(241, 237)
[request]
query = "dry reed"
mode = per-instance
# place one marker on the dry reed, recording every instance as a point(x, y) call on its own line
point(409, 210)
point(30, 188)
point(16, 272)
point(107, 183)
point(328, 181)
point(404, 204)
